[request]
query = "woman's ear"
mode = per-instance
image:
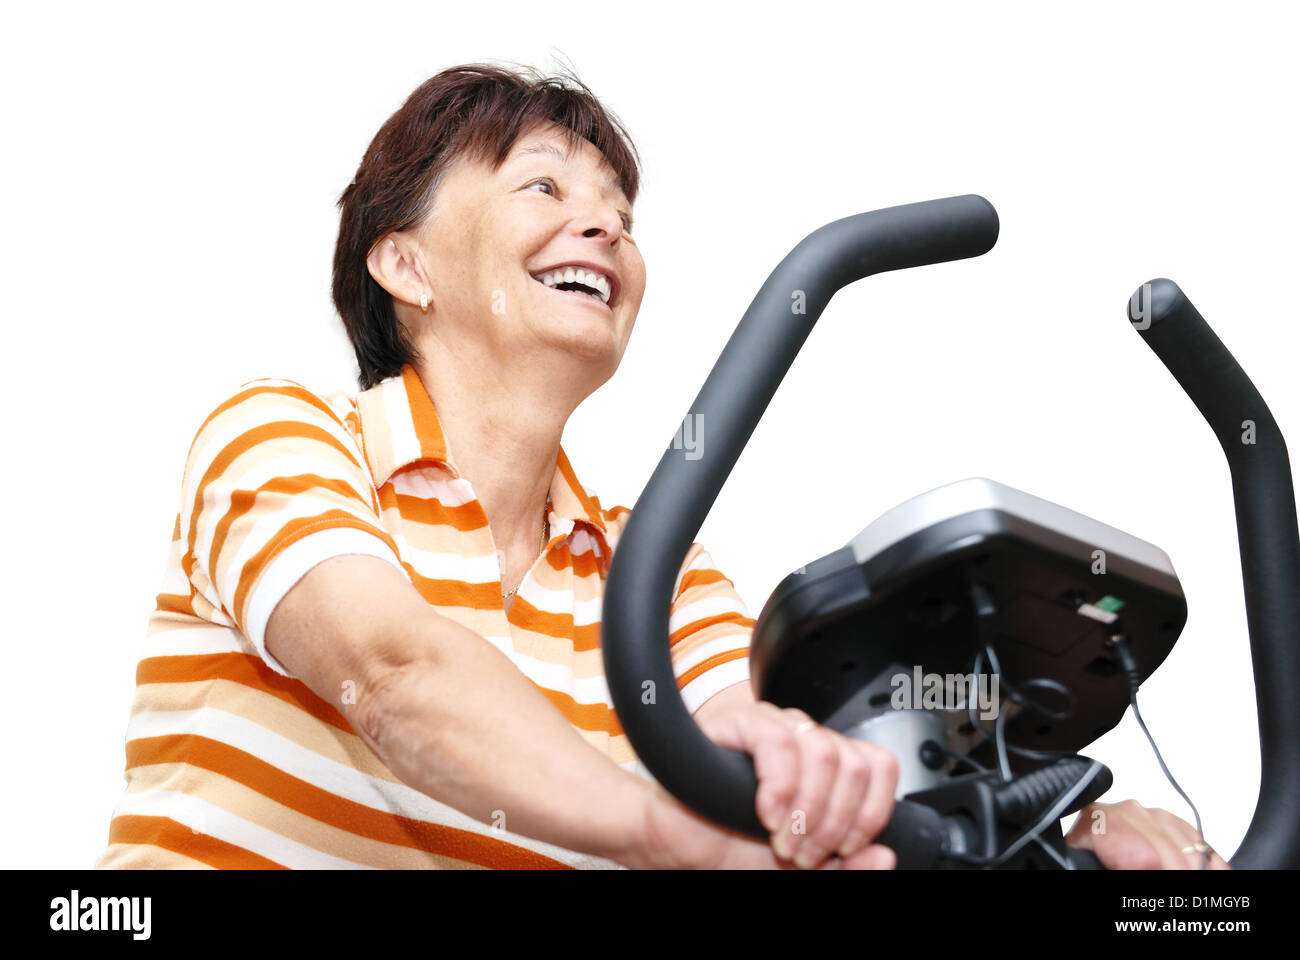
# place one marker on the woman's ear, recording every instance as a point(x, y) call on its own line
point(396, 265)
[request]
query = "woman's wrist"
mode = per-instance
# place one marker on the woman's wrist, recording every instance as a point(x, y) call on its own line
point(628, 842)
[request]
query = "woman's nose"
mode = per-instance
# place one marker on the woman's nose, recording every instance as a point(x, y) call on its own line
point(601, 219)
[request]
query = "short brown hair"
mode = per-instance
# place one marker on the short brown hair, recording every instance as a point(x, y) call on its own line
point(477, 110)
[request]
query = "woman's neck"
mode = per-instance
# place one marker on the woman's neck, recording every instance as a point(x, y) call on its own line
point(503, 435)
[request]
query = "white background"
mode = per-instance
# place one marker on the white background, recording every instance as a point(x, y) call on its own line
point(170, 180)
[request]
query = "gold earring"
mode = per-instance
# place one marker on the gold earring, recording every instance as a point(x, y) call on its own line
point(424, 302)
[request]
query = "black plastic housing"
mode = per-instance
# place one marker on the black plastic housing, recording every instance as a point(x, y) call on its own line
point(826, 632)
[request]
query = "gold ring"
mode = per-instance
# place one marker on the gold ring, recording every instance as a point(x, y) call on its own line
point(1200, 846)
point(805, 725)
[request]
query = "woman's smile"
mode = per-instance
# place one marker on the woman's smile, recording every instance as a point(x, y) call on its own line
point(589, 299)
point(597, 282)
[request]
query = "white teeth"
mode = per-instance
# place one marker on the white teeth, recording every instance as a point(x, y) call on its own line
point(590, 278)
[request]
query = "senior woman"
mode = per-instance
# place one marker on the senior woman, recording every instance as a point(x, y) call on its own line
point(378, 639)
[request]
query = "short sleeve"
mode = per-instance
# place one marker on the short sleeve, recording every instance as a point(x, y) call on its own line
point(709, 630)
point(274, 484)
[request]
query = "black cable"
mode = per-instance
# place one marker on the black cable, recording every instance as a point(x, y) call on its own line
point(1028, 703)
point(1064, 862)
point(959, 757)
point(1132, 674)
point(1034, 833)
point(1052, 815)
point(984, 609)
point(1119, 643)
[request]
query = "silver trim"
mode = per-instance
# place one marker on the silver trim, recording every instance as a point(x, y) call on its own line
point(980, 493)
point(902, 733)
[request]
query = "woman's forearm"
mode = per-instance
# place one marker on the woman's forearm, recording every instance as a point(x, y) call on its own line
point(463, 725)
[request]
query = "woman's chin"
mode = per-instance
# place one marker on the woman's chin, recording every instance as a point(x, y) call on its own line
point(590, 343)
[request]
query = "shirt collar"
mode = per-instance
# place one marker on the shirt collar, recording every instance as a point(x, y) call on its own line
point(399, 426)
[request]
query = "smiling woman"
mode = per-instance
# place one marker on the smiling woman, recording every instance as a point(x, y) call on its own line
point(519, 130)
point(378, 639)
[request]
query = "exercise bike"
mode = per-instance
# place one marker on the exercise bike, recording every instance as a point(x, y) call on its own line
point(973, 583)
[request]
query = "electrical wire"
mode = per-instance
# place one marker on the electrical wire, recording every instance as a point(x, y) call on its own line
point(1052, 815)
point(1063, 862)
point(1119, 643)
point(959, 757)
point(1033, 834)
point(1017, 696)
point(984, 607)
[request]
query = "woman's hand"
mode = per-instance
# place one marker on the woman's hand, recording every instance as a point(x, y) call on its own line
point(673, 837)
point(1129, 836)
point(819, 793)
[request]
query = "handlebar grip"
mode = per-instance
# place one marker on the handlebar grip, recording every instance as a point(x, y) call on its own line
point(916, 833)
point(1269, 543)
point(1083, 859)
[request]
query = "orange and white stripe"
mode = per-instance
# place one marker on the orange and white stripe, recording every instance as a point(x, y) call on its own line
point(232, 762)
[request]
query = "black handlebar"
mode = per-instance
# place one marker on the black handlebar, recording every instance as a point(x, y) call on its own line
point(720, 783)
point(1269, 543)
point(716, 782)
point(1084, 859)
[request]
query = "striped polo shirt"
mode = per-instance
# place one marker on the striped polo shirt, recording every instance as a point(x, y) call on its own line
point(231, 762)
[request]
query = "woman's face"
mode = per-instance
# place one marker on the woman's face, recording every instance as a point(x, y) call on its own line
point(493, 237)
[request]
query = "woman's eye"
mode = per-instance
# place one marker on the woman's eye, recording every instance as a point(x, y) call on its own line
point(549, 183)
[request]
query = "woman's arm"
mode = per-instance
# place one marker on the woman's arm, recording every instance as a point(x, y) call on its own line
point(451, 716)
point(736, 695)
point(448, 713)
